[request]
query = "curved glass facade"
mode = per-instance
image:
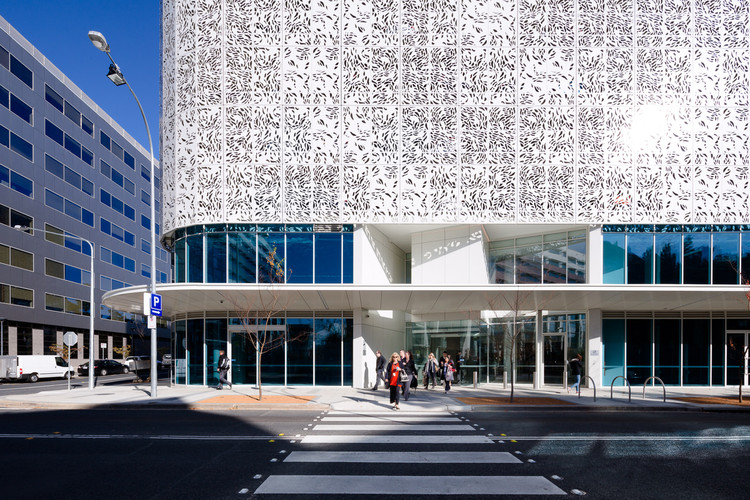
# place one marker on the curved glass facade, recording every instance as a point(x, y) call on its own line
point(238, 253)
point(676, 254)
point(309, 350)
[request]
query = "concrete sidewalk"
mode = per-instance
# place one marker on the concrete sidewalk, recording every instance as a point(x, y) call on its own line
point(486, 397)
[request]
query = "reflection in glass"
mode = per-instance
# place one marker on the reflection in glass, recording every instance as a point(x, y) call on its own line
point(638, 351)
point(668, 248)
point(503, 261)
point(529, 264)
point(328, 351)
point(179, 261)
point(614, 258)
point(299, 351)
point(640, 258)
point(555, 262)
point(577, 261)
point(267, 244)
point(216, 261)
point(241, 257)
point(696, 337)
point(195, 351)
point(216, 340)
point(667, 350)
point(726, 263)
point(243, 356)
point(718, 337)
point(697, 251)
point(613, 343)
point(299, 257)
point(328, 258)
point(195, 258)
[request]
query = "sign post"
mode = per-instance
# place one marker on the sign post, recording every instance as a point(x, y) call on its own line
point(70, 339)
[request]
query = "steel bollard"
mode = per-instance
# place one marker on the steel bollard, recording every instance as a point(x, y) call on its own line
point(475, 380)
point(505, 380)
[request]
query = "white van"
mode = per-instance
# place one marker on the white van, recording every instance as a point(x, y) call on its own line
point(33, 368)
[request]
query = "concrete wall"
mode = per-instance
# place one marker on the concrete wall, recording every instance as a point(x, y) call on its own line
point(455, 255)
point(377, 260)
point(375, 330)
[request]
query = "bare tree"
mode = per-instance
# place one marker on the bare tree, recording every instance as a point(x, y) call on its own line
point(65, 351)
point(262, 308)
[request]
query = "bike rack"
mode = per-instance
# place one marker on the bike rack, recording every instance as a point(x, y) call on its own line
point(664, 388)
point(583, 377)
point(612, 387)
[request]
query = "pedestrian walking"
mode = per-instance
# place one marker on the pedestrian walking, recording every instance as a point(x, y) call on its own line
point(379, 370)
point(430, 370)
point(411, 371)
point(394, 378)
point(223, 368)
point(457, 362)
point(448, 372)
point(576, 368)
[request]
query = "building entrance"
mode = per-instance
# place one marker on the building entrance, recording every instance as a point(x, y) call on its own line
point(737, 358)
point(554, 359)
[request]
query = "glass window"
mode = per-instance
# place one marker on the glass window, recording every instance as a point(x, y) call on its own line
point(216, 340)
point(4, 62)
point(72, 113)
point(328, 258)
point(243, 355)
point(87, 125)
point(87, 156)
point(529, 264)
point(640, 258)
point(72, 178)
point(21, 146)
point(348, 351)
point(54, 302)
point(117, 177)
point(4, 136)
point(328, 351)
point(104, 139)
point(242, 258)
point(23, 73)
point(72, 145)
point(299, 351)
point(614, 258)
point(87, 186)
point(697, 255)
point(179, 261)
point(195, 258)
point(613, 340)
point(73, 274)
point(54, 133)
point(726, 262)
point(194, 352)
point(667, 350)
point(72, 209)
point(745, 259)
point(116, 150)
point(20, 108)
point(348, 258)
point(554, 261)
point(24, 339)
point(21, 259)
point(54, 167)
point(21, 297)
point(268, 243)
point(216, 258)
point(21, 184)
point(272, 363)
point(695, 351)
point(128, 159)
point(53, 200)
point(4, 97)
point(577, 261)
point(299, 251)
point(129, 186)
point(668, 249)
point(54, 268)
point(717, 351)
point(87, 217)
point(4, 254)
point(502, 264)
point(54, 98)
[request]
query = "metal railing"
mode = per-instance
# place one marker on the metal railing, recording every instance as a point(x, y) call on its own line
point(664, 388)
point(612, 387)
point(583, 377)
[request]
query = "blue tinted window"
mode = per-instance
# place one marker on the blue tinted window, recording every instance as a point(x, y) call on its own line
point(216, 252)
point(54, 133)
point(117, 204)
point(21, 146)
point(117, 259)
point(348, 258)
point(105, 226)
point(87, 186)
point(104, 139)
point(21, 184)
point(129, 264)
point(72, 210)
point(328, 258)
point(668, 250)
point(4, 176)
point(87, 125)
point(241, 257)
point(53, 166)
point(267, 242)
point(72, 113)
point(72, 178)
point(299, 257)
point(300, 351)
point(72, 145)
point(726, 254)
point(20, 108)
point(4, 97)
point(328, 334)
point(129, 160)
point(87, 156)
point(129, 186)
point(116, 150)
point(640, 258)
point(105, 197)
point(105, 169)
point(195, 258)
point(613, 258)
point(21, 71)
point(54, 98)
point(53, 200)
point(129, 212)
point(179, 261)
point(4, 58)
point(130, 239)
point(117, 177)
point(4, 136)
point(106, 254)
point(697, 255)
point(145, 222)
point(73, 274)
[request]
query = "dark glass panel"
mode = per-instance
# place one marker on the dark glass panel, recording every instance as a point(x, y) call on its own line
point(348, 258)
point(577, 261)
point(529, 264)
point(242, 258)
point(735, 349)
point(22, 72)
point(696, 338)
point(20, 108)
point(726, 262)
point(718, 338)
point(640, 258)
point(299, 257)
point(348, 345)
point(667, 350)
point(668, 248)
point(697, 255)
point(267, 244)
point(179, 261)
point(216, 340)
point(195, 351)
point(614, 258)
point(613, 343)
point(328, 334)
point(299, 351)
point(638, 352)
point(195, 258)
point(328, 258)
point(272, 361)
point(502, 266)
point(54, 98)
point(745, 259)
point(24, 340)
point(243, 355)
point(216, 258)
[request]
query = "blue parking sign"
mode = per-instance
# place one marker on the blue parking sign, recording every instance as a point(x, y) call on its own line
point(155, 305)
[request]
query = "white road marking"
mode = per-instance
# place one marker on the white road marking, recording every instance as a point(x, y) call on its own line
point(474, 457)
point(394, 427)
point(391, 438)
point(409, 485)
point(390, 418)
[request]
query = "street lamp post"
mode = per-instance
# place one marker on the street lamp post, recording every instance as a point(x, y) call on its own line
point(118, 79)
point(2, 337)
point(92, 309)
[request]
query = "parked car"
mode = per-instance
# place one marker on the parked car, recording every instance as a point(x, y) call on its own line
point(104, 367)
point(34, 367)
point(139, 363)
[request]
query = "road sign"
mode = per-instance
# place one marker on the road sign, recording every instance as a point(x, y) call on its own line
point(70, 338)
point(151, 304)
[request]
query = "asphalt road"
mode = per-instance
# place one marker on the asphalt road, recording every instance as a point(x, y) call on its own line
point(197, 454)
point(23, 387)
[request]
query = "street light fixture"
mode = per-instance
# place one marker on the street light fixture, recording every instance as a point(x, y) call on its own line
point(118, 79)
point(92, 309)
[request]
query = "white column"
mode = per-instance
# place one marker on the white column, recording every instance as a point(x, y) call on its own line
point(539, 358)
point(593, 360)
point(595, 258)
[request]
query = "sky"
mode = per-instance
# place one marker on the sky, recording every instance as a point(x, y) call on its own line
point(59, 30)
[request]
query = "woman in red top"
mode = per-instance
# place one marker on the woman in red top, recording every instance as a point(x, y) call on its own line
point(394, 371)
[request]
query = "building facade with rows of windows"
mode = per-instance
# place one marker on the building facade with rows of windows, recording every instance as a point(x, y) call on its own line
point(69, 171)
point(350, 177)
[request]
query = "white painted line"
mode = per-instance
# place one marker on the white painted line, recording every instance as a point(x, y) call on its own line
point(242, 491)
point(409, 485)
point(403, 412)
point(395, 427)
point(432, 457)
point(392, 418)
point(397, 438)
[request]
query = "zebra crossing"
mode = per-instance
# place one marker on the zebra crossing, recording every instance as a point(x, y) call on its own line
point(350, 443)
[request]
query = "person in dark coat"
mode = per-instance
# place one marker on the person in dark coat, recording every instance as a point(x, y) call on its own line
point(411, 371)
point(430, 370)
point(223, 368)
point(394, 378)
point(448, 372)
point(379, 370)
point(576, 368)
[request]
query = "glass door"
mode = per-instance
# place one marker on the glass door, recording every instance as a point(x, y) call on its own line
point(737, 358)
point(554, 359)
